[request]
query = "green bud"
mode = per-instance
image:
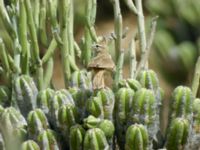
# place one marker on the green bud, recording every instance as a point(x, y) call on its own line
point(25, 94)
point(81, 80)
point(178, 134)
point(136, 138)
point(60, 98)
point(37, 123)
point(95, 140)
point(124, 98)
point(91, 122)
point(107, 127)
point(77, 134)
point(47, 140)
point(43, 99)
point(95, 107)
point(181, 103)
point(4, 96)
point(30, 145)
point(130, 83)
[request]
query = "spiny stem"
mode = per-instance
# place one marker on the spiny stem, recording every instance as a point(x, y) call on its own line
point(141, 27)
point(195, 82)
point(133, 61)
point(144, 60)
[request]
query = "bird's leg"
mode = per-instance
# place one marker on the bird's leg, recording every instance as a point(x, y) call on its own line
point(98, 79)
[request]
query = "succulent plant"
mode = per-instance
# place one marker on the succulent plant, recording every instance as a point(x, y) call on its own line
point(105, 125)
point(181, 103)
point(194, 136)
point(30, 145)
point(81, 80)
point(144, 111)
point(124, 98)
point(48, 140)
point(102, 105)
point(95, 140)
point(67, 117)
point(177, 134)
point(12, 127)
point(77, 134)
point(137, 137)
point(25, 94)
point(43, 99)
point(60, 98)
point(37, 123)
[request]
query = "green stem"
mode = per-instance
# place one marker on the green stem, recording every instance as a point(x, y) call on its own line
point(50, 51)
point(195, 82)
point(77, 49)
point(119, 69)
point(133, 61)
point(33, 32)
point(22, 32)
point(118, 27)
point(64, 23)
point(48, 73)
point(42, 27)
point(143, 64)
point(87, 47)
point(141, 27)
point(71, 30)
point(131, 6)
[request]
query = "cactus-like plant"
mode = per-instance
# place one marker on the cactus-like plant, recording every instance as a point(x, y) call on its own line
point(48, 140)
point(102, 105)
point(181, 103)
point(60, 98)
point(105, 125)
point(25, 94)
point(95, 140)
point(81, 80)
point(37, 123)
point(194, 136)
point(43, 99)
point(124, 98)
point(12, 127)
point(77, 134)
point(178, 134)
point(30, 145)
point(67, 117)
point(137, 137)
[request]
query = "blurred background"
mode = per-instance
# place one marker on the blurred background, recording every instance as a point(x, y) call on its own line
point(176, 45)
